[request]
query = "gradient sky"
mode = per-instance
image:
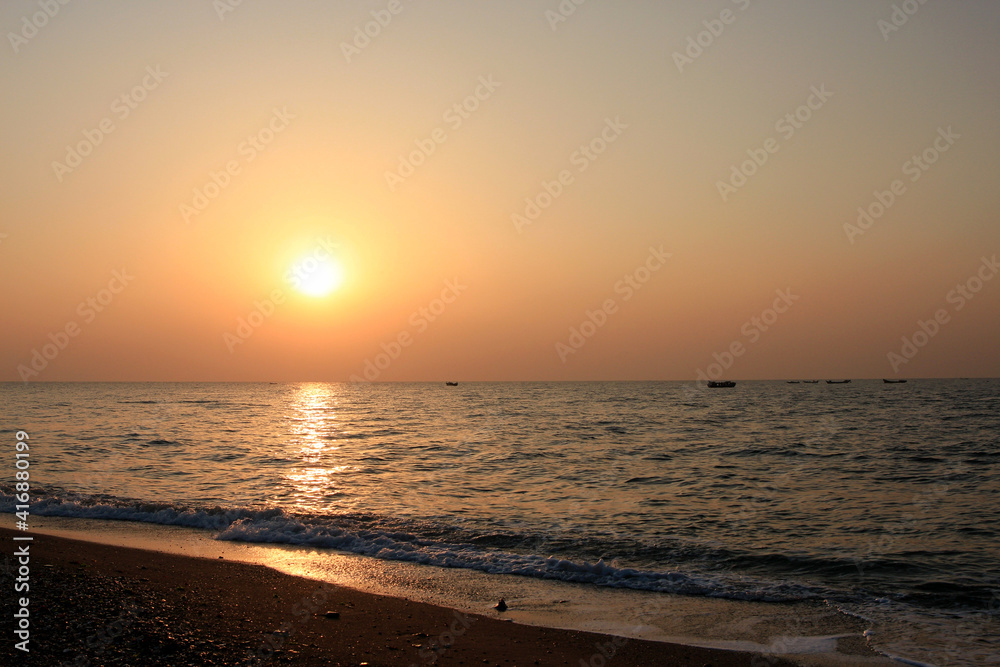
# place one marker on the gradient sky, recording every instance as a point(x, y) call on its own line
point(345, 119)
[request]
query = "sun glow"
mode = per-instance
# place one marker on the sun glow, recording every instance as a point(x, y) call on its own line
point(316, 276)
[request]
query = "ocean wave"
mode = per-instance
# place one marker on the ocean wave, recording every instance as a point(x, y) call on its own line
point(392, 541)
point(558, 553)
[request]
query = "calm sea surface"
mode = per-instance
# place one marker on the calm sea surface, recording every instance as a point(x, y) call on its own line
point(882, 499)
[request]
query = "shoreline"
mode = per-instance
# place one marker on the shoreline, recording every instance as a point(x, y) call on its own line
point(134, 606)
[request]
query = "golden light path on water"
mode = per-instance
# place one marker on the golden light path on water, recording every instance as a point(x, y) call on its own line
point(313, 415)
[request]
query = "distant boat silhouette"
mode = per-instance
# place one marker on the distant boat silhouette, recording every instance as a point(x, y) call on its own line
point(837, 381)
point(451, 384)
point(811, 381)
point(719, 385)
point(793, 382)
point(893, 381)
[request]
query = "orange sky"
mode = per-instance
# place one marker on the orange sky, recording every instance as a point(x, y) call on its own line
point(627, 191)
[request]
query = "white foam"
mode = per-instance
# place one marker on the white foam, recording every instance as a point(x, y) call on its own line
point(381, 545)
point(256, 525)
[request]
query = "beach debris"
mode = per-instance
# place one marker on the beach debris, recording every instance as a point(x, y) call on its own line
point(332, 614)
point(501, 606)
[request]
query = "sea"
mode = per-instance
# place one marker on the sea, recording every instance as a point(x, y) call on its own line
point(878, 502)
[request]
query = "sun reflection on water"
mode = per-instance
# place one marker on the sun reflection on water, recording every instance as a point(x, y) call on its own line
point(312, 441)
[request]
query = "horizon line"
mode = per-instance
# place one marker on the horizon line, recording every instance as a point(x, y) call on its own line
point(693, 381)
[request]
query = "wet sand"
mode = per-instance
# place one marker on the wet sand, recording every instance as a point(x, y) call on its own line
point(98, 604)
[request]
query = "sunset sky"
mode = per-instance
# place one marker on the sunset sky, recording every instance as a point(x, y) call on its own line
point(199, 191)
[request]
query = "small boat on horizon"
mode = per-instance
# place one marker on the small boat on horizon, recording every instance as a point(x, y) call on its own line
point(893, 381)
point(721, 384)
point(837, 381)
point(793, 382)
point(810, 381)
point(451, 384)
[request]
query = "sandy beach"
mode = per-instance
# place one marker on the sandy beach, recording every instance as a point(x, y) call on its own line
point(93, 604)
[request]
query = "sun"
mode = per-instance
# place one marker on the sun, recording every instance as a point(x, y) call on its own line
point(316, 276)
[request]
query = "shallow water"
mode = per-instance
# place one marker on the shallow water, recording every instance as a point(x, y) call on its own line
point(877, 499)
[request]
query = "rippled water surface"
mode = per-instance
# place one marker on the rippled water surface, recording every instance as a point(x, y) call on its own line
point(882, 499)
